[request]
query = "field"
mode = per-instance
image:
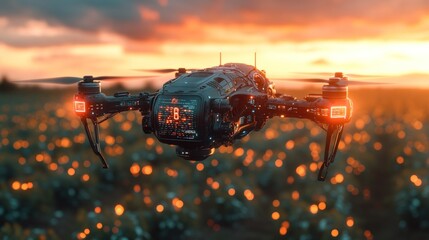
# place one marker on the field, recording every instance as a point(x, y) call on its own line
point(264, 187)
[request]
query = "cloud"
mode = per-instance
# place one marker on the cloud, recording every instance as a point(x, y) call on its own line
point(220, 20)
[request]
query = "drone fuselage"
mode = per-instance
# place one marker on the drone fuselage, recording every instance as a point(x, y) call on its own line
point(204, 109)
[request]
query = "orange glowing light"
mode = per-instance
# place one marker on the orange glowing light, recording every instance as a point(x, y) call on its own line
point(109, 140)
point(215, 185)
point(239, 152)
point(338, 112)
point(134, 169)
point(301, 170)
point(75, 164)
point(313, 167)
point(137, 188)
point(71, 171)
point(367, 234)
point(322, 206)
point(159, 208)
point(231, 192)
point(126, 126)
point(276, 203)
point(24, 186)
point(314, 209)
point(22, 160)
point(282, 230)
point(378, 146)
point(85, 177)
point(99, 225)
point(335, 232)
point(339, 178)
point(249, 194)
point(16, 185)
point(87, 231)
point(147, 200)
point(209, 180)
point(278, 163)
point(295, 195)
point(275, 215)
point(400, 160)
point(119, 209)
point(199, 167)
point(97, 210)
point(39, 157)
point(79, 106)
point(290, 145)
point(418, 125)
point(150, 141)
point(53, 166)
point(81, 235)
point(147, 170)
point(350, 222)
point(177, 203)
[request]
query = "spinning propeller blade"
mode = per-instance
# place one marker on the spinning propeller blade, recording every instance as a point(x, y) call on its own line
point(71, 80)
point(321, 80)
point(328, 74)
point(166, 70)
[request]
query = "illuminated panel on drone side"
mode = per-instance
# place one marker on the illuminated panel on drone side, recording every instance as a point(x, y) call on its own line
point(79, 106)
point(338, 112)
point(178, 117)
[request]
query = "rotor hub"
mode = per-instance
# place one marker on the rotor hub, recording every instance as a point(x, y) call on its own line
point(335, 92)
point(87, 87)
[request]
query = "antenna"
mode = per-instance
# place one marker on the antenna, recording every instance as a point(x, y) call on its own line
point(220, 58)
point(255, 59)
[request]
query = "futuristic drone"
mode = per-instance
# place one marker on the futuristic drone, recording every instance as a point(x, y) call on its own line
point(201, 110)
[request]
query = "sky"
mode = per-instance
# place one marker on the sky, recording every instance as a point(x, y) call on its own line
point(53, 38)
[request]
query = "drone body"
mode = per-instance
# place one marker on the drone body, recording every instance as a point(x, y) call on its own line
point(201, 110)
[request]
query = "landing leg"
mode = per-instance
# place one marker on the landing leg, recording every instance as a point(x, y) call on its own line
point(333, 137)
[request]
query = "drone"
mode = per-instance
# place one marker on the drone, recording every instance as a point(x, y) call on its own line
point(200, 110)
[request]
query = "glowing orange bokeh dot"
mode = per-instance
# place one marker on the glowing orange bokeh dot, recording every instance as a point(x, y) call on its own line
point(350, 222)
point(147, 170)
point(97, 210)
point(276, 203)
point(119, 209)
point(200, 166)
point(159, 208)
point(275, 215)
point(134, 169)
point(249, 194)
point(231, 192)
point(314, 209)
point(335, 232)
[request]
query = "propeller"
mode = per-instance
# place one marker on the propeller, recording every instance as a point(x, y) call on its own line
point(71, 80)
point(167, 70)
point(327, 74)
point(337, 79)
point(321, 80)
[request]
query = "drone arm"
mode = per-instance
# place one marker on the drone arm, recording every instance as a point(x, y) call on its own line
point(330, 114)
point(289, 107)
point(99, 107)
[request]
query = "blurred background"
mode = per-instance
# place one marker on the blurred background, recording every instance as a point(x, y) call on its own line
point(265, 186)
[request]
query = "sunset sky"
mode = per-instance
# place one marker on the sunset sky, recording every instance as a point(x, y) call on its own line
point(108, 37)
